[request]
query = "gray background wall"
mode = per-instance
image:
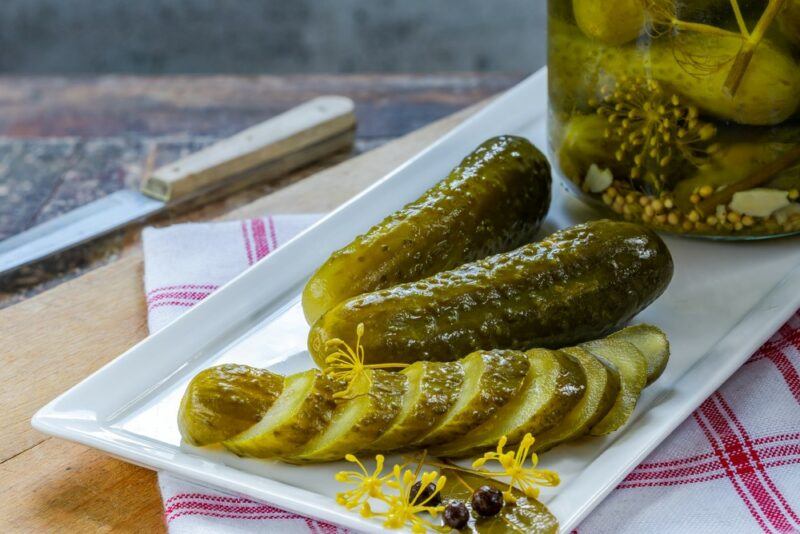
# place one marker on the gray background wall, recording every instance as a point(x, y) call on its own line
point(270, 36)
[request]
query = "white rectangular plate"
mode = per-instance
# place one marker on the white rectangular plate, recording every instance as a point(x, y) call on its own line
point(725, 300)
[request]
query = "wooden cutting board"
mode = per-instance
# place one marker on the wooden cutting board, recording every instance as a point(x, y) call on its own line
point(52, 341)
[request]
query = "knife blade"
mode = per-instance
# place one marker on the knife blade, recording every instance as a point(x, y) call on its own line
point(300, 136)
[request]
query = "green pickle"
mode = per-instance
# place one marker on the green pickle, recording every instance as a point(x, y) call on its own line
point(357, 422)
point(652, 343)
point(632, 367)
point(789, 22)
point(492, 202)
point(222, 401)
point(454, 408)
point(553, 385)
point(578, 284)
point(303, 410)
point(491, 379)
point(673, 113)
point(602, 389)
point(433, 390)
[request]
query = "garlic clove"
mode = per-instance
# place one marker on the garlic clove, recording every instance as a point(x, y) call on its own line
point(784, 214)
point(598, 180)
point(759, 202)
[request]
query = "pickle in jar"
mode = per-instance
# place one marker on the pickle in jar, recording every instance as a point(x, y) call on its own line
point(658, 127)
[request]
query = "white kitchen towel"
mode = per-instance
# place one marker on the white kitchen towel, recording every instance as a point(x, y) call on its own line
point(732, 467)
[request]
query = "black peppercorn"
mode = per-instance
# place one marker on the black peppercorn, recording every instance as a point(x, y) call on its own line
point(422, 498)
point(456, 515)
point(487, 501)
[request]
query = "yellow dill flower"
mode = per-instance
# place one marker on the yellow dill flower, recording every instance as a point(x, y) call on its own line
point(404, 508)
point(368, 485)
point(525, 479)
point(347, 364)
point(656, 133)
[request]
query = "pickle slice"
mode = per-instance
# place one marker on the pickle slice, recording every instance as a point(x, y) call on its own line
point(433, 389)
point(491, 379)
point(554, 384)
point(602, 387)
point(357, 422)
point(652, 343)
point(224, 400)
point(302, 411)
point(632, 368)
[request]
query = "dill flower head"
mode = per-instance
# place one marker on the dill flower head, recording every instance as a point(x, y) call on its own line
point(656, 134)
point(399, 506)
point(405, 508)
point(526, 479)
point(367, 485)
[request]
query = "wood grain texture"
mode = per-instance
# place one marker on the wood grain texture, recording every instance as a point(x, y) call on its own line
point(304, 134)
point(52, 341)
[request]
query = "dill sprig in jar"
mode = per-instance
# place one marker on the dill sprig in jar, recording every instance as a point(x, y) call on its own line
point(682, 115)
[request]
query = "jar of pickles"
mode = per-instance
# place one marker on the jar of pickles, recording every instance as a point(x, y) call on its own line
point(680, 114)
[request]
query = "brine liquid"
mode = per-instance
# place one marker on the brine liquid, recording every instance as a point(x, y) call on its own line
point(682, 115)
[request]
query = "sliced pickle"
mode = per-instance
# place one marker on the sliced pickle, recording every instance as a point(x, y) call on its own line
point(652, 343)
point(224, 400)
point(357, 422)
point(491, 379)
point(553, 386)
point(433, 389)
point(302, 411)
point(602, 387)
point(632, 367)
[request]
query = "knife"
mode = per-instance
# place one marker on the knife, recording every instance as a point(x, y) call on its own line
point(300, 136)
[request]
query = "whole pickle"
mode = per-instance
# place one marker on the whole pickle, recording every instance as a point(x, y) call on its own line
point(789, 21)
point(613, 22)
point(768, 95)
point(492, 202)
point(581, 143)
point(578, 284)
point(730, 164)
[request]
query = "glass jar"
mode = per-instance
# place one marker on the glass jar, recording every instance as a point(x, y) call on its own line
point(680, 114)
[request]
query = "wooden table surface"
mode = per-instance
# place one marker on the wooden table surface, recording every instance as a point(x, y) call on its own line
point(66, 142)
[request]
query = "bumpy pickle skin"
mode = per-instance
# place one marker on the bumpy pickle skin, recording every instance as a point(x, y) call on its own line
point(768, 95)
point(492, 379)
point(224, 400)
point(433, 390)
point(578, 284)
point(492, 202)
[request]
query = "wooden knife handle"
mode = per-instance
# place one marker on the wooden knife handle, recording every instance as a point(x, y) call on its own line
point(277, 146)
